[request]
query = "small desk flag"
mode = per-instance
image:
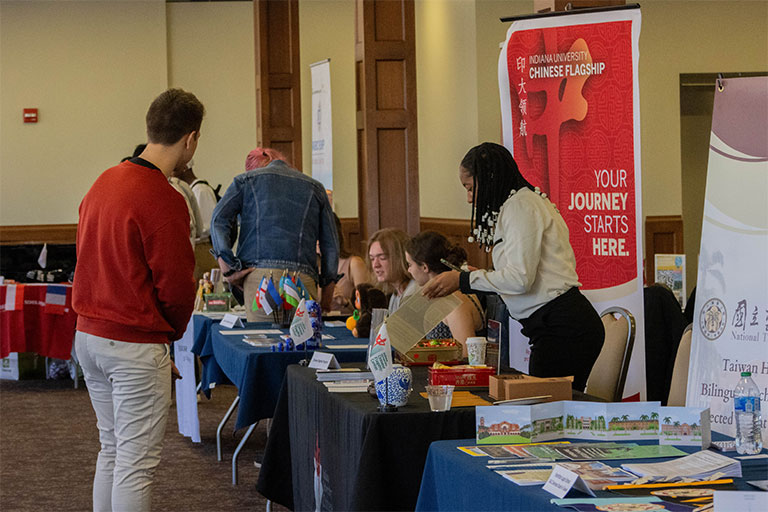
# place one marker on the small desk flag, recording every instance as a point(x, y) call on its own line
point(380, 355)
point(301, 326)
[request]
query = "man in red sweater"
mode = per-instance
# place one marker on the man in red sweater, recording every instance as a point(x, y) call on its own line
point(133, 293)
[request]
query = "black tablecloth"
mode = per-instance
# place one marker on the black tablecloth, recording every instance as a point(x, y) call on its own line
point(368, 460)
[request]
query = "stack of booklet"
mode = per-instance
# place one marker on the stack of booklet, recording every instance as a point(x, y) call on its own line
point(699, 465)
point(345, 380)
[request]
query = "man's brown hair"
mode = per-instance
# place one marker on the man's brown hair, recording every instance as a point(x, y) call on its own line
point(172, 115)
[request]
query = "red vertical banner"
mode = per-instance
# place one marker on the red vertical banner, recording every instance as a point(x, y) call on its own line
point(570, 116)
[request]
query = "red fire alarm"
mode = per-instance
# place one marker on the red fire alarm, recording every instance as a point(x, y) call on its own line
point(30, 115)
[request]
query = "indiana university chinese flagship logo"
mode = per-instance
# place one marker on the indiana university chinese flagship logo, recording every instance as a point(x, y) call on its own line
point(713, 318)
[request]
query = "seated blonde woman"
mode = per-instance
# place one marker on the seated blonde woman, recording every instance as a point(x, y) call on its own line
point(387, 264)
point(423, 253)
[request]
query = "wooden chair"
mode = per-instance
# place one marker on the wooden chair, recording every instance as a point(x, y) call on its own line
point(608, 375)
point(679, 386)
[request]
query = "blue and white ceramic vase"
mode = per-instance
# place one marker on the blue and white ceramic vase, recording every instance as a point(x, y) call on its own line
point(316, 320)
point(400, 386)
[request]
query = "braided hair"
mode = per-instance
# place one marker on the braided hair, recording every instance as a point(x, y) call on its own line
point(495, 177)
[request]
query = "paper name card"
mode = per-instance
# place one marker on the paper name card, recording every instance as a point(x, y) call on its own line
point(229, 321)
point(685, 426)
point(743, 501)
point(323, 361)
point(562, 480)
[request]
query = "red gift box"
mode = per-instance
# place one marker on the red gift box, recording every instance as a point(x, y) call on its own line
point(461, 376)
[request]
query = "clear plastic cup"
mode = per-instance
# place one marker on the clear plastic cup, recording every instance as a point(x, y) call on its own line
point(440, 397)
point(476, 350)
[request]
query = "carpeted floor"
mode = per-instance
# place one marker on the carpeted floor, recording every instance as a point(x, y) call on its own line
point(49, 442)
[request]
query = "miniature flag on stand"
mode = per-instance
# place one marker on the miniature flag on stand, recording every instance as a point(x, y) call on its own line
point(14, 297)
point(301, 326)
point(55, 299)
point(272, 296)
point(380, 355)
point(303, 289)
point(292, 293)
point(257, 297)
point(42, 260)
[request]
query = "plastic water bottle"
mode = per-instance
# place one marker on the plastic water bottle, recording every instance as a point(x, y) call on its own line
point(746, 404)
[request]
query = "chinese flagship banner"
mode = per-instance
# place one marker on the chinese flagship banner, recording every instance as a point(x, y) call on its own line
point(570, 116)
point(730, 326)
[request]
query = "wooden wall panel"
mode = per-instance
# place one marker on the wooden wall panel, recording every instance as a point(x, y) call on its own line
point(388, 175)
point(38, 234)
point(663, 235)
point(278, 88)
point(389, 20)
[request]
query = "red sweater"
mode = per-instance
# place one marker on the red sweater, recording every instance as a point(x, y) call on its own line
point(134, 275)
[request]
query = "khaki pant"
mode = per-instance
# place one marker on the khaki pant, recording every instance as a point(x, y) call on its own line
point(251, 286)
point(130, 389)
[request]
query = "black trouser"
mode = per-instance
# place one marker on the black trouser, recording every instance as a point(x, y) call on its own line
point(566, 335)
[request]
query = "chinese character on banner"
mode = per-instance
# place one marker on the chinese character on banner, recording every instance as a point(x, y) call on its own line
point(741, 314)
point(521, 87)
point(521, 63)
point(523, 107)
point(523, 131)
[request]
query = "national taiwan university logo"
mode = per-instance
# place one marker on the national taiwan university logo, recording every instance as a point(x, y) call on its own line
point(713, 318)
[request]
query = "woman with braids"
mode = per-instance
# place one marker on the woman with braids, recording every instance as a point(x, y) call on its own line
point(423, 254)
point(535, 267)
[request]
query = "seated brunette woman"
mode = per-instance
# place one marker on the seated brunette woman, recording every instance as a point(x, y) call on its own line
point(386, 259)
point(423, 253)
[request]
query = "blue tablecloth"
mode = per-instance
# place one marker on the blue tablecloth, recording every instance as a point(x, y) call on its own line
point(203, 348)
point(258, 373)
point(453, 480)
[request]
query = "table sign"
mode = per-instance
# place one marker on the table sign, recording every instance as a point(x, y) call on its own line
point(323, 361)
point(562, 480)
point(229, 321)
point(743, 501)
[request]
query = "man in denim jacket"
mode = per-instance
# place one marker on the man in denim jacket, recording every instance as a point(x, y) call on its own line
point(283, 215)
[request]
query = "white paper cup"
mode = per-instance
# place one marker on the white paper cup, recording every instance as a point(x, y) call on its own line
point(440, 397)
point(476, 350)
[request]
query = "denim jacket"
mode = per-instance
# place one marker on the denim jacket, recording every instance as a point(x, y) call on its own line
point(283, 214)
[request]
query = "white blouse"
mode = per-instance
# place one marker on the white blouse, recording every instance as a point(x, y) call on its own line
point(532, 256)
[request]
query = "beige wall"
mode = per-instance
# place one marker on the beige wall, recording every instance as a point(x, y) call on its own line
point(687, 37)
point(327, 30)
point(211, 53)
point(490, 33)
point(92, 77)
point(91, 68)
point(447, 110)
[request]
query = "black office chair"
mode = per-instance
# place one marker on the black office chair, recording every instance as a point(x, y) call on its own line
point(664, 324)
